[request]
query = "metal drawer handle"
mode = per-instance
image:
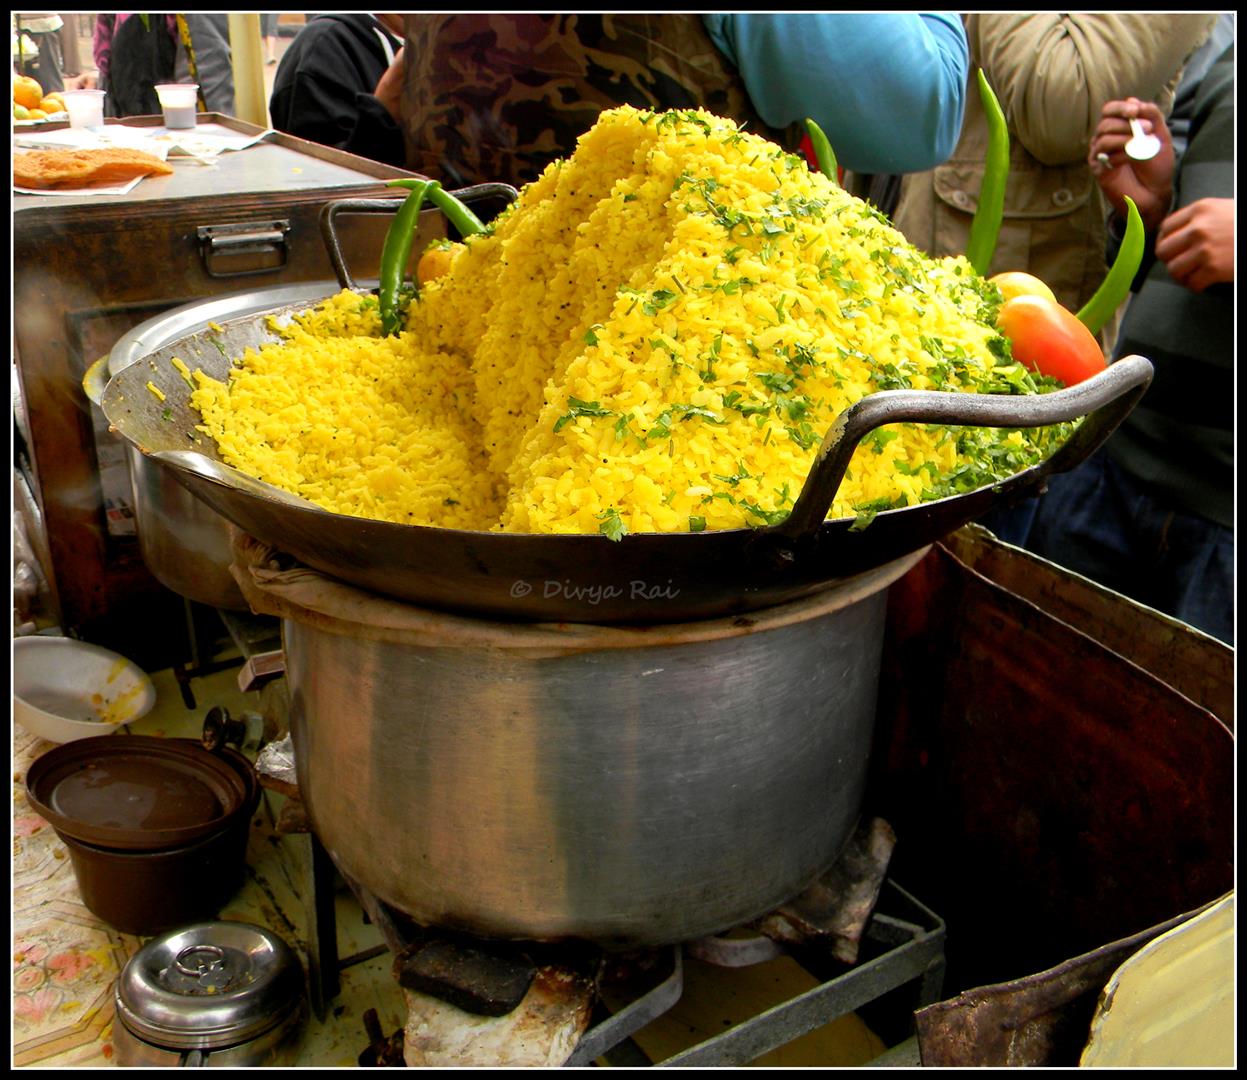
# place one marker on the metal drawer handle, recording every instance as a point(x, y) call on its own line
point(243, 238)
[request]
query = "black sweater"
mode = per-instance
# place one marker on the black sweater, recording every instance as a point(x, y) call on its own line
point(1179, 440)
point(323, 88)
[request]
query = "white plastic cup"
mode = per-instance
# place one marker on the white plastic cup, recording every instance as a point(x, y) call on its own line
point(178, 103)
point(85, 107)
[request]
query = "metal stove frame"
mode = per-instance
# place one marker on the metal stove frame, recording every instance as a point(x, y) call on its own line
point(912, 951)
point(905, 938)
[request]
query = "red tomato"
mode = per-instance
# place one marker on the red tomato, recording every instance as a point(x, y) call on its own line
point(1049, 339)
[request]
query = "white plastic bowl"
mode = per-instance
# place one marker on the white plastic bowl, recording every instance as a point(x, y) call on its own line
point(65, 689)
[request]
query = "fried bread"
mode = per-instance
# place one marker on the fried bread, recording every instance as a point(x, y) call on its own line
point(84, 168)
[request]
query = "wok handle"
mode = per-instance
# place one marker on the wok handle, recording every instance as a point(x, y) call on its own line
point(1105, 399)
point(331, 211)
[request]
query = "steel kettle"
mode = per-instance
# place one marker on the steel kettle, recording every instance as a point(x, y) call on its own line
point(220, 994)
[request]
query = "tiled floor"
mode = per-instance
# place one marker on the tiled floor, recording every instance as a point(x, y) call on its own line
point(66, 960)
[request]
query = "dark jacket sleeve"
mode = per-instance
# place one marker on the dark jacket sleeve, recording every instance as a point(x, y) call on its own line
point(316, 109)
point(311, 100)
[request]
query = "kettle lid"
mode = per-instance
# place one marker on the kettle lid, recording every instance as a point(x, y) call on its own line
point(209, 986)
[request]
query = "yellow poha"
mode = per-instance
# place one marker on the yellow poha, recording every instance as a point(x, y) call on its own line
point(654, 338)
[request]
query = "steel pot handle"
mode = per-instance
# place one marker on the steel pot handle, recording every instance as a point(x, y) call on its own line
point(1105, 399)
point(329, 214)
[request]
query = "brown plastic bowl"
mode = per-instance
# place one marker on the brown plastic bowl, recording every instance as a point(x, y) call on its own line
point(143, 889)
point(147, 892)
point(139, 793)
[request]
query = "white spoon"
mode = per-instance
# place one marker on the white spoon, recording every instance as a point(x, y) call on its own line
point(1141, 147)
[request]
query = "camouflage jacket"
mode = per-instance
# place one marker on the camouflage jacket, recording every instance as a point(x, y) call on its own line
point(500, 96)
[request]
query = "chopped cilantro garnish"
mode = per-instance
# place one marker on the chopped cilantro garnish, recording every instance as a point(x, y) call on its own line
point(741, 473)
point(769, 517)
point(612, 527)
point(779, 381)
point(578, 408)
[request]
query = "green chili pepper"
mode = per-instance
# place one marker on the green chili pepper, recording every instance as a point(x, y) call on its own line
point(395, 253)
point(985, 228)
point(456, 212)
point(1116, 284)
point(823, 153)
point(396, 250)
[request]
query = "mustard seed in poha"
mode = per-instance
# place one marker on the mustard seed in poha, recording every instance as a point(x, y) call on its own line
point(653, 338)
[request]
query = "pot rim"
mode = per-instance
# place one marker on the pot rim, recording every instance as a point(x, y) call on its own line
point(336, 606)
point(197, 315)
point(216, 1039)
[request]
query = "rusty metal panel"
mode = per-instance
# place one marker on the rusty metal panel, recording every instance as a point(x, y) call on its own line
point(1049, 795)
point(1041, 1019)
point(1189, 661)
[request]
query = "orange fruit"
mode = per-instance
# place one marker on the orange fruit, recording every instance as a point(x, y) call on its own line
point(52, 105)
point(36, 114)
point(27, 91)
point(1018, 283)
point(435, 262)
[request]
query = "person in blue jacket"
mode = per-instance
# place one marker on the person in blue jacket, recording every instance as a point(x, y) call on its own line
point(883, 86)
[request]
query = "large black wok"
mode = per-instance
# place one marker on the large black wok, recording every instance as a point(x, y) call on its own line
point(643, 578)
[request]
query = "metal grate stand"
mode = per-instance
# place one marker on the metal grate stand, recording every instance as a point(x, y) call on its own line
point(908, 940)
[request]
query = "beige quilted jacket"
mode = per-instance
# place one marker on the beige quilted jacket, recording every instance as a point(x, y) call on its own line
point(1052, 73)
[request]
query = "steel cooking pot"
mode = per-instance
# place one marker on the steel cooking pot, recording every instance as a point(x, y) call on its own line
point(633, 786)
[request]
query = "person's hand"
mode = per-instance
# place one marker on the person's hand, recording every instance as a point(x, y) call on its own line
point(85, 81)
point(389, 89)
point(1196, 243)
point(1148, 183)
